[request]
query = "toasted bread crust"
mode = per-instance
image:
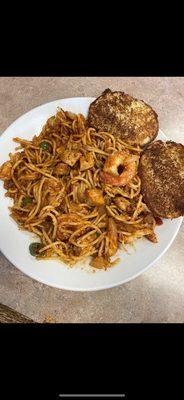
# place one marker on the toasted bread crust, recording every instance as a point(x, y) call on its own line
point(161, 171)
point(132, 120)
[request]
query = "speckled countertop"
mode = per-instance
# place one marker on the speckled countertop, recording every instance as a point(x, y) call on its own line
point(155, 296)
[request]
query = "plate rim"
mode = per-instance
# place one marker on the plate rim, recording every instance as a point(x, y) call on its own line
point(84, 289)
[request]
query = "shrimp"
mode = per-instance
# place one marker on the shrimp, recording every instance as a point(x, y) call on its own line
point(110, 174)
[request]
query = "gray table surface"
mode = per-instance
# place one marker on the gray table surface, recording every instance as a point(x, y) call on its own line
point(155, 296)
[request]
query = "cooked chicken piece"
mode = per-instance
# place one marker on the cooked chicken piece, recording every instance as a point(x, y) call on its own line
point(86, 162)
point(60, 149)
point(95, 197)
point(113, 237)
point(5, 170)
point(100, 262)
point(61, 169)
point(56, 192)
point(70, 157)
point(152, 238)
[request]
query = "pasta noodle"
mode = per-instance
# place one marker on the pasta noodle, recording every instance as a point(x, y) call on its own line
point(58, 194)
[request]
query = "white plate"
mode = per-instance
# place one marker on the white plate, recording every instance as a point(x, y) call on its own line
point(14, 244)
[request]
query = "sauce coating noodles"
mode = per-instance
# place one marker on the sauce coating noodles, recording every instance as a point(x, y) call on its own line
point(55, 181)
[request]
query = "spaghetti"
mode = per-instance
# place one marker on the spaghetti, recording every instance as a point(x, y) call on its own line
point(59, 194)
